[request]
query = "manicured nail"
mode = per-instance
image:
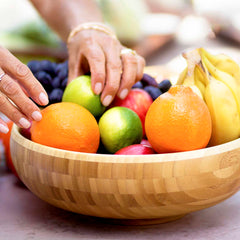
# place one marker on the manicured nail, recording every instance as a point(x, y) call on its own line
point(36, 115)
point(43, 98)
point(107, 100)
point(123, 93)
point(98, 88)
point(24, 123)
point(3, 129)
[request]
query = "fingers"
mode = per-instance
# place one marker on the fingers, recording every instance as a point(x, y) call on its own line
point(21, 73)
point(25, 107)
point(3, 127)
point(129, 63)
point(113, 72)
point(12, 112)
point(73, 66)
point(96, 59)
point(133, 66)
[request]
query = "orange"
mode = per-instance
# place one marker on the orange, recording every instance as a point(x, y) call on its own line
point(6, 143)
point(67, 126)
point(178, 120)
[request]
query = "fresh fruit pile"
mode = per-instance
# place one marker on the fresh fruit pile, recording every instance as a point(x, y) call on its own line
point(54, 76)
point(202, 109)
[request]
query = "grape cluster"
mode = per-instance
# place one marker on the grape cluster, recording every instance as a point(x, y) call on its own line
point(150, 85)
point(53, 77)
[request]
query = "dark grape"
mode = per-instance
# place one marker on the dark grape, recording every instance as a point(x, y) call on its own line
point(56, 83)
point(164, 85)
point(153, 91)
point(147, 80)
point(34, 66)
point(138, 85)
point(48, 67)
point(43, 77)
point(56, 95)
point(53, 77)
point(64, 83)
point(63, 74)
point(60, 66)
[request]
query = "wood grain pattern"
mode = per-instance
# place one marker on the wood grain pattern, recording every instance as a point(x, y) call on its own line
point(158, 187)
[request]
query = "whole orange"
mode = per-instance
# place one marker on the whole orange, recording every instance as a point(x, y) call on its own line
point(6, 143)
point(178, 120)
point(67, 126)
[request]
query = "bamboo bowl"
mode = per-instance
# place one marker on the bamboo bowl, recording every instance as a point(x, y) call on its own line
point(141, 189)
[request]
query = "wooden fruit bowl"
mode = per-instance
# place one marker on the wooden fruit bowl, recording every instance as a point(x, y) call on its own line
point(141, 189)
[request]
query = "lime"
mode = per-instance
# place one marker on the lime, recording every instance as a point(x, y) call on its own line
point(79, 91)
point(119, 127)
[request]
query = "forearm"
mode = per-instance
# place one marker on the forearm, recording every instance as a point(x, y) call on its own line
point(63, 15)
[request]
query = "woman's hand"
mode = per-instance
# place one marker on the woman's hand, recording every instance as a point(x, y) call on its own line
point(112, 73)
point(17, 84)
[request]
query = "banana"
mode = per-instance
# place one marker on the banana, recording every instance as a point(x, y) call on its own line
point(232, 83)
point(223, 63)
point(217, 78)
point(187, 76)
point(224, 112)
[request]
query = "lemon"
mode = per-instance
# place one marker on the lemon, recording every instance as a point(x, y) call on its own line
point(119, 127)
point(79, 91)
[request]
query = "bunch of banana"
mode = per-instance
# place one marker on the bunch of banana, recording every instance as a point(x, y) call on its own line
point(216, 79)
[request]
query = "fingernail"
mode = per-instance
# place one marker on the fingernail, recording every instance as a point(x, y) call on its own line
point(107, 100)
point(98, 88)
point(36, 115)
point(43, 98)
point(3, 129)
point(24, 123)
point(123, 93)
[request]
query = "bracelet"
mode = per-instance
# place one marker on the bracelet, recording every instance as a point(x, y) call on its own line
point(91, 25)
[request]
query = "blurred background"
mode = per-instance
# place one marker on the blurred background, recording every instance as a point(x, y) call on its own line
point(158, 29)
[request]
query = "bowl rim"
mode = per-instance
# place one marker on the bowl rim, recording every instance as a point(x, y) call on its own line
point(111, 158)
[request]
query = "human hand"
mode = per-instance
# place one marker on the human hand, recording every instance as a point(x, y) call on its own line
point(99, 52)
point(17, 84)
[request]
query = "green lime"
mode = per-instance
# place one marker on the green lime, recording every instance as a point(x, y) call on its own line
point(119, 127)
point(80, 91)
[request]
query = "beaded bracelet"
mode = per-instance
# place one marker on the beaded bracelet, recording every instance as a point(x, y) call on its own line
point(91, 25)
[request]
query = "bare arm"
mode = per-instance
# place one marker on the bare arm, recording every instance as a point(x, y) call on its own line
point(63, 15)
point(112, 73)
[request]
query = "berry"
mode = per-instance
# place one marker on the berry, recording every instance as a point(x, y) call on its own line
point(147, 80)
point(164, 85)
point(153, 91)
point(48, 67)
point(64, 83)
point(56, 95)
point(56, 83)
point(33, 66)
point(63, 73)
point(138, 85)
point(53, 77)
point(44, 78)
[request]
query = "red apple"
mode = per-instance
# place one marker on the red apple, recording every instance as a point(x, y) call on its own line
point(137, 100)
point(135, 149)
point(26, 132)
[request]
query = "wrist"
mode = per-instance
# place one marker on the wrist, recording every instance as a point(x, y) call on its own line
point(97, 26)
